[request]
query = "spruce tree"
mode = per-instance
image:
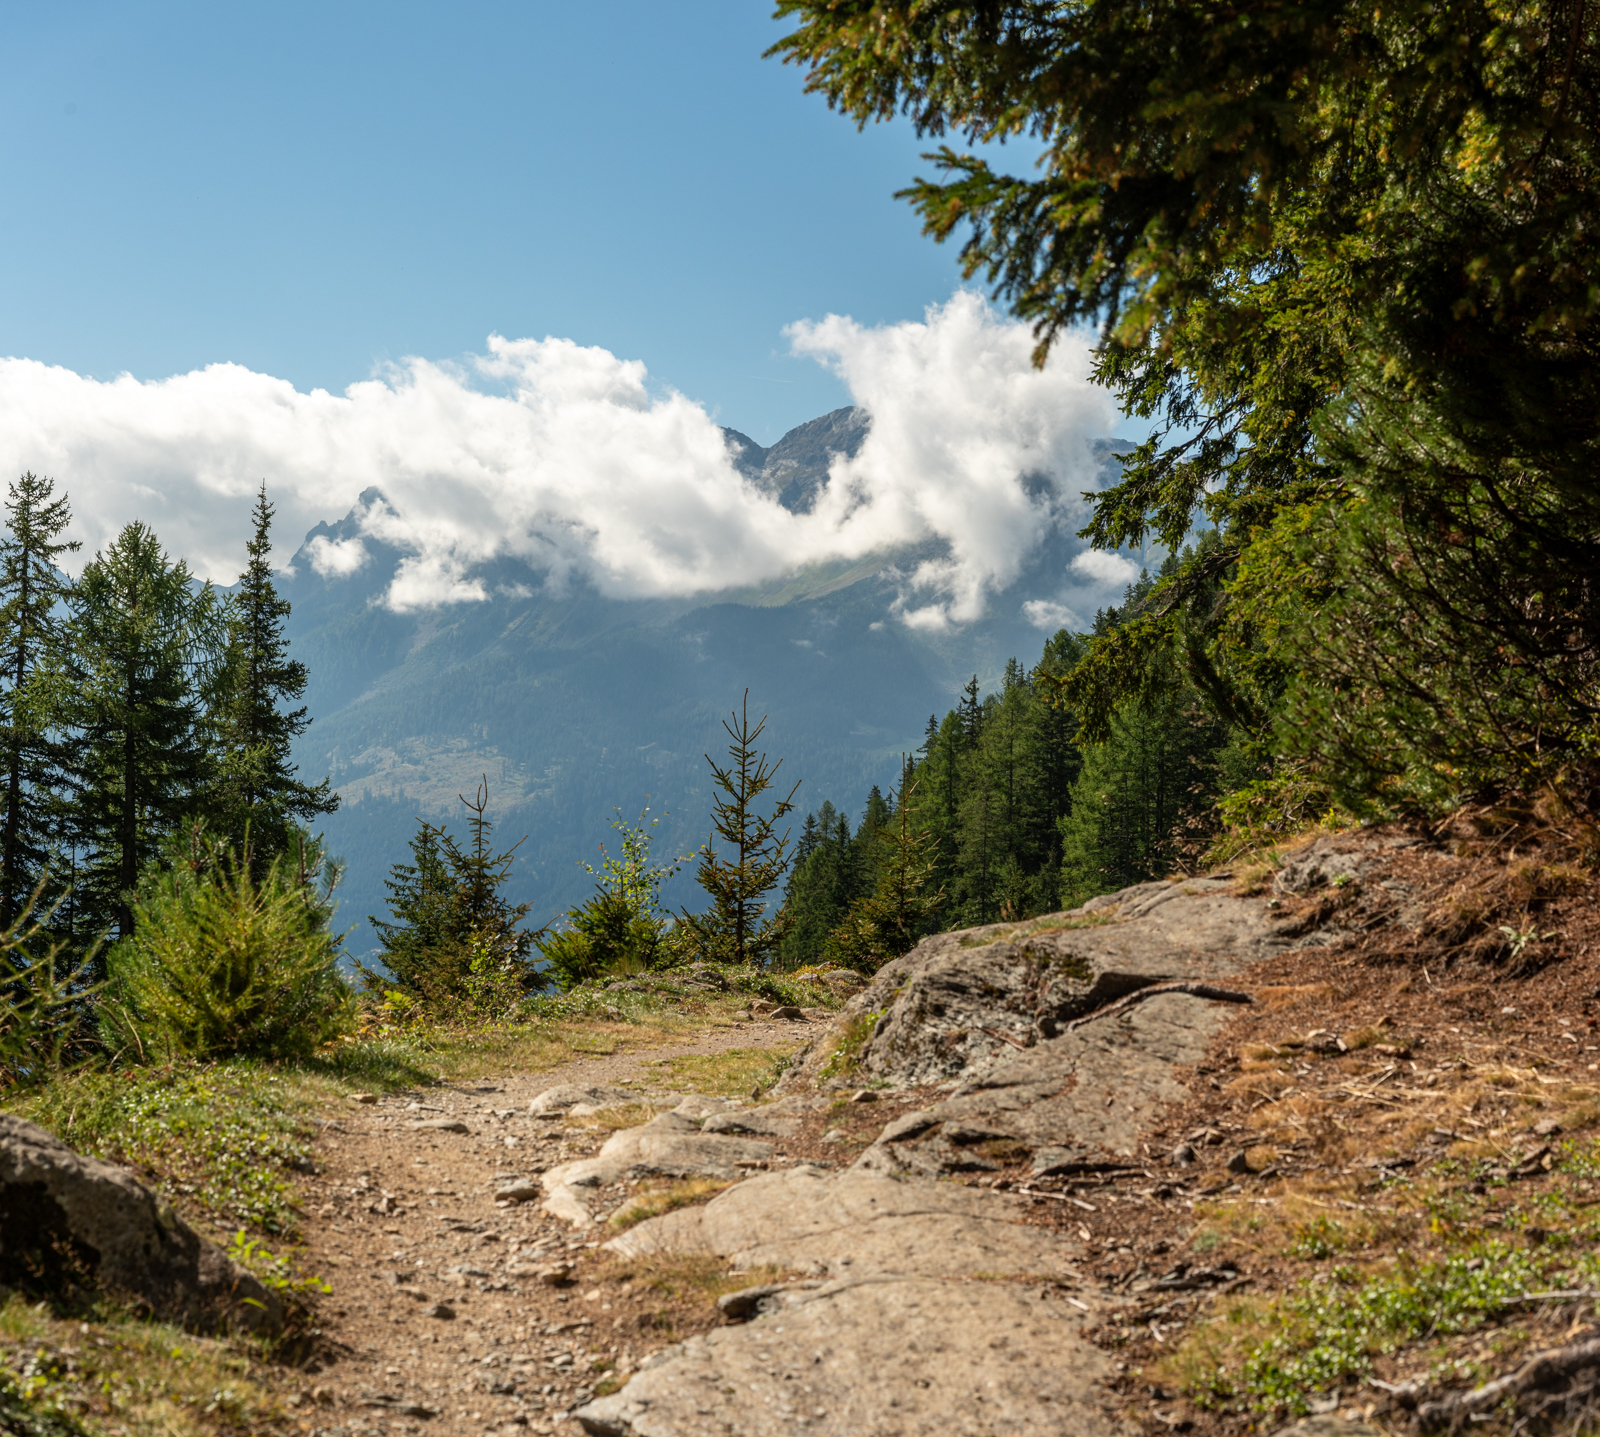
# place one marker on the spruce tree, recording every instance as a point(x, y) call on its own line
point(144, 643)
point(904, 900)
point(256, 788)
point(33, 593)
point(737, 929)
point(453, 929)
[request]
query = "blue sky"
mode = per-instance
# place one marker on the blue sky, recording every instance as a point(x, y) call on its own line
point(313, 190)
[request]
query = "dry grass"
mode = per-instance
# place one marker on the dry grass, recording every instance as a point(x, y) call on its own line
point(652, 1201)
point(467, 1054)
point(613, 1120)
point(735, 1072)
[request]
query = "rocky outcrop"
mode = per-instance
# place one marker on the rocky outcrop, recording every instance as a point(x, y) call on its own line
point(669, 1145)
point(72, 1227)
point(928, 1306)
point(958, 1003)
point(560, 1101)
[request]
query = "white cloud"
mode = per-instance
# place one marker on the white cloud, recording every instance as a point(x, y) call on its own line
point(336, 558)
point(560, 456)
point(1047, 614)
point(1105, 569)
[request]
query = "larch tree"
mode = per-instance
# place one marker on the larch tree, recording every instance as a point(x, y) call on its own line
point(33, 595)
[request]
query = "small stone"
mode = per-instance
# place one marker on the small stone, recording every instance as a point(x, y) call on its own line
point(1546, 1128)
point(556, 1274)
point(439, 1125)
point(1183, 1156)
point(322, 1396)
point(520, 1191)
point(866, 1095)
point(441, 1310)
point(907, 1126)
point(1239, 1163)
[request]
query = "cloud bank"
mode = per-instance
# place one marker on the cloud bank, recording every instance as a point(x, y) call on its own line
point(562, 456)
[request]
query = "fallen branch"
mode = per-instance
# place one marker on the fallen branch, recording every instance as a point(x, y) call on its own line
point(1542, 1370)
point(1155, 990)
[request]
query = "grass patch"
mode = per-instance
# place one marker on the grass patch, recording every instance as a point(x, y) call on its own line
point(221, 1138)
point(467, 1053)
point(653, 1201)
point(61, 1379)
point(612, 1120)
point(695, 1279)
point(1269, 1356)
point(1445, 1258)
point(846, 1057)
point(735, 1072)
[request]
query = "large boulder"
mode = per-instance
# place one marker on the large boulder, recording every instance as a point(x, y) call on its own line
point(72, 1226)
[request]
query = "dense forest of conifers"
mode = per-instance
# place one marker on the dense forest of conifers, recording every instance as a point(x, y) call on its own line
point(1019, 819)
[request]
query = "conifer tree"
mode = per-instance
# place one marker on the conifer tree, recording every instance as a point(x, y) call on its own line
point(621, 928)
point(830, 871)
point(144, 643)
point(33, 592)
point(453, 928)
point(737, 929)
point(904, 901)
point(256, 787)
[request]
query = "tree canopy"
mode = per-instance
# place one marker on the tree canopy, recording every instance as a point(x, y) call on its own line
point(1339, 254)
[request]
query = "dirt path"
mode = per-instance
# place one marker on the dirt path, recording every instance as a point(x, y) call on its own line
point(438, 1320)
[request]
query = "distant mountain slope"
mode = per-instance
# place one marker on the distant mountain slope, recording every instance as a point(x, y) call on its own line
point(576, 704)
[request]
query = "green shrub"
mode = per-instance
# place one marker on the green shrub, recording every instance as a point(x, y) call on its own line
point(44, 997)
point(221, 963)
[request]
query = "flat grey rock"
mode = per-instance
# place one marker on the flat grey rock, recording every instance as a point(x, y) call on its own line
point(856, 1222)
point(889, 1356)
point(558, 1101)
point(754, 1122)
point(669, 1145)
point(700, 1108)
point(73, 1224)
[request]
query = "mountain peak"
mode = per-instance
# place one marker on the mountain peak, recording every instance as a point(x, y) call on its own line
point(794, 469)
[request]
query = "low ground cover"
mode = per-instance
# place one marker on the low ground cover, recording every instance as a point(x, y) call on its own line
point(231, 1144)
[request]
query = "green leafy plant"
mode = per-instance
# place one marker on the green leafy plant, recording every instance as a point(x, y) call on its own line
point(221, 963)
point(275, 1272)
point(1520, 939)
point(1329, 1330)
